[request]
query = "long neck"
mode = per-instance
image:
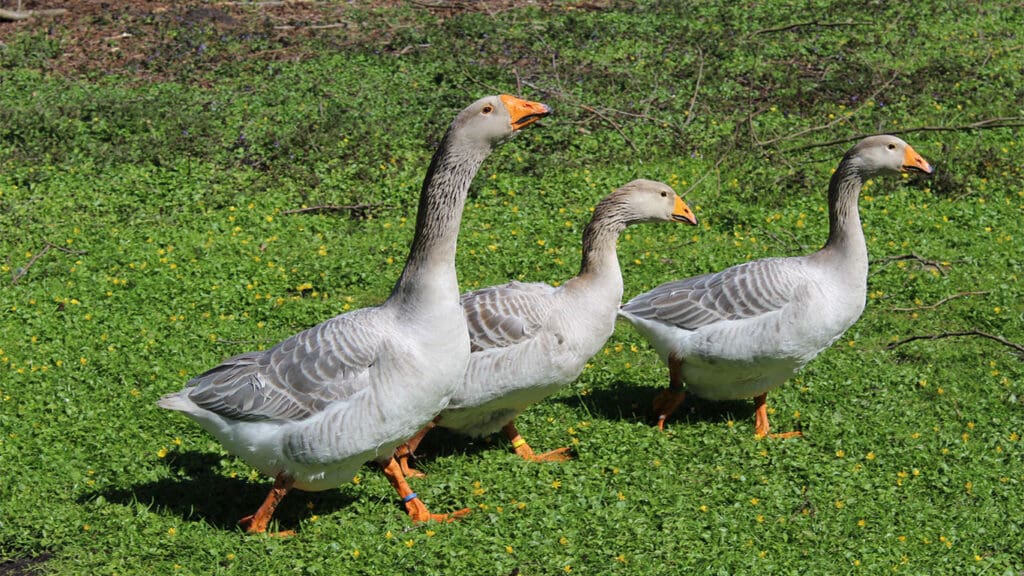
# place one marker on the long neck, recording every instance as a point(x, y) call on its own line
point(430, 268)
point(600, 262)
point(845, 235)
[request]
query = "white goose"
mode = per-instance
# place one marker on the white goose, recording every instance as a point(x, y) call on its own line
point(315, 407)
point(745, 330)
point(528, 340)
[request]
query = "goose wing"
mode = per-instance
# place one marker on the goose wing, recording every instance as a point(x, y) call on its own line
point(296, 378)
point(501, 316)
point(744, 291)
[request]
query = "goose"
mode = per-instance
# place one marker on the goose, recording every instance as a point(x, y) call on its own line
point(311, 410)
point(741, 332)
point(530, 339)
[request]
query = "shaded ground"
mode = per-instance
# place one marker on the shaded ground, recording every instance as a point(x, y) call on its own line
point(23, 566)
point(156, 39)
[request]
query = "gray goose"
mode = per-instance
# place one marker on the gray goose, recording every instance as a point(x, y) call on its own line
point(312, 409)
point(530, 339)
point(743, 331)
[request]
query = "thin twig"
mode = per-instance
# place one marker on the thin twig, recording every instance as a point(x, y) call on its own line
point(713, 170)
point(25, 15)
point(267, 4)
point(792, 246)
point(815, 23)
point(973, 332)
point(696, 88)
point(313, 26)
point(614, 125)
point(838, 120)
point(990, 123)
point(443, 4)
point(20, 272)
point(939, 303)
point(254, 4)
point(926, 262)
point(490, 88)
point(572, 100)
point(331, 208)
point(226, 342)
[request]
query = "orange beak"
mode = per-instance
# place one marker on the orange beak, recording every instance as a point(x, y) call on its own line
point(682, 213)
point(523, 112)
point(913, 162)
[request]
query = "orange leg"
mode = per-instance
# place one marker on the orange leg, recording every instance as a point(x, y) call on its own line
point(761, 426)
point(257, 523)
point(403, 452)
point(526, 453)
point(413, 505)
point(669, 400)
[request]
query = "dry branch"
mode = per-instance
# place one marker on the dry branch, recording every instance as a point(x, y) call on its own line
point(555, 92)
point(613, 124)
point(255, 341)
point(47, 246)
point(974, 332)
point(838, 120)
point(936, 264)
point(793, 245)
point(990, 123)
point(939, 303)
point(696, 89)
point(13, 15)
point(445, 4)
point(269, 3)
point(332, 208)
point(313, 26)
point(814, 23)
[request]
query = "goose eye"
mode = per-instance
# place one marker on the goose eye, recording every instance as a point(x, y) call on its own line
point(892, 146)
point(664, 194)
point(488, 109)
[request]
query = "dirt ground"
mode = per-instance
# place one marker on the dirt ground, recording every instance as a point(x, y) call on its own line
point(145, 37)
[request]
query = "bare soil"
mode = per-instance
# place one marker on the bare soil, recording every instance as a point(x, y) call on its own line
point(152, 38)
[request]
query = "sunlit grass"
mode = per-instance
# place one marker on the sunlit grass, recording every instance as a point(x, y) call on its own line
point(150, 231)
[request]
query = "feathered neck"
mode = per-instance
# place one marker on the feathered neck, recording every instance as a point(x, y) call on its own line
point(600, 237)
point(845, 235)
point(430, 268)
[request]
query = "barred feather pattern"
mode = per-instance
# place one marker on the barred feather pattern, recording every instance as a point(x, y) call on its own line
point(530, 339)
point(320, 403)
point(742, 331)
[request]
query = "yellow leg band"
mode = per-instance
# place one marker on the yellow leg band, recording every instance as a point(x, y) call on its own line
point(518, 441)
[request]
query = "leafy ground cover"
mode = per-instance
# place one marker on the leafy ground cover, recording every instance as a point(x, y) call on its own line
point(161, 165)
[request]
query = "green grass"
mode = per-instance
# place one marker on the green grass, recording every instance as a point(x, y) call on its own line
point(143, 217)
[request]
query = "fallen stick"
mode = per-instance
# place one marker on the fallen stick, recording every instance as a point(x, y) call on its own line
point(20, 272)
point(313, 26)
point(696, 89)
point(974, 332)
point(841, 118)
point(613, 124)
point(331, 208)
point(990, 123)
point(815, 23)
point(939, 303)
point(14, 15)
point(939, 266)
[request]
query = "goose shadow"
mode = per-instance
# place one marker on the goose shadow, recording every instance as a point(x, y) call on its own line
point(443, 443)
point(628, 402)
point(197, 492)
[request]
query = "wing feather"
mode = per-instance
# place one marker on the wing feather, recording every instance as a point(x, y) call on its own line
point(500, 316)
point(744, 291)
point(296, 378)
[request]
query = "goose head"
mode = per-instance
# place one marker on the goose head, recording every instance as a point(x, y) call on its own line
point(653, 201)
point(884, 154)
point(491, 119)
